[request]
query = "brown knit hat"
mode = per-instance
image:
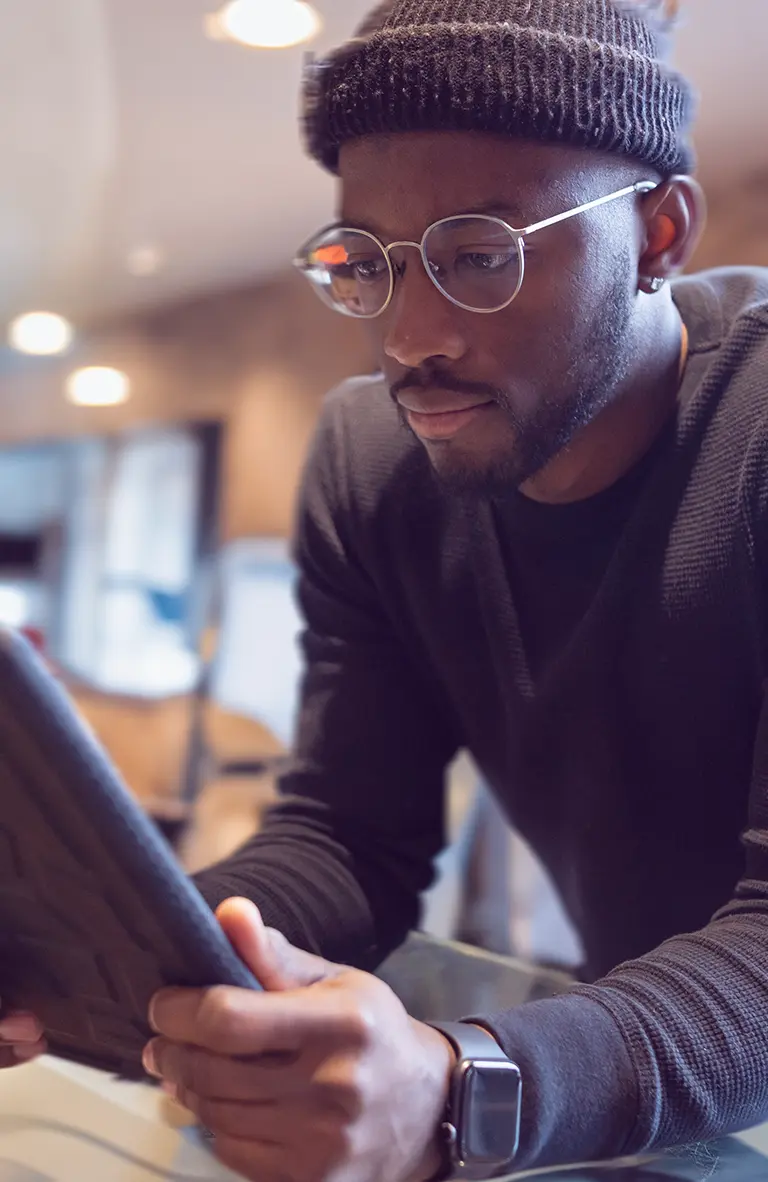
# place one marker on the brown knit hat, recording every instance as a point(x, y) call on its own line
point(590, 73)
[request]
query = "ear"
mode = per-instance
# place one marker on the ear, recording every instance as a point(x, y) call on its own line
point(674, 216)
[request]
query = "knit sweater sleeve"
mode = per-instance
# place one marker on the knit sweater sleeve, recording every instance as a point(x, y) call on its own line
point(666, 1050)
point(341, 861)
point(670, 1048)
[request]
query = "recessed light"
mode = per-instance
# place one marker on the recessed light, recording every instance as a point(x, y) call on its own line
point(41, 334)
point(98, 385)
point(265, 24)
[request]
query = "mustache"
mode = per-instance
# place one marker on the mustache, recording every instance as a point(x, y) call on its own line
point(416, 379)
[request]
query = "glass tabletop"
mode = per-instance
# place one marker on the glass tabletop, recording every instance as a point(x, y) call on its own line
point(736, 1159)
point(444, 981)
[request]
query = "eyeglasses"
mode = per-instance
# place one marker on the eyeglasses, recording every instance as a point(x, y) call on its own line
point(476, 261)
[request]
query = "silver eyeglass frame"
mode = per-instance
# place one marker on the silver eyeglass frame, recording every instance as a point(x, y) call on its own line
point(301, 262)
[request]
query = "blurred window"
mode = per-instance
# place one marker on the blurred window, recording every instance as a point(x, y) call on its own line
point(134, 532)
point(20, 603)
point(258, 666)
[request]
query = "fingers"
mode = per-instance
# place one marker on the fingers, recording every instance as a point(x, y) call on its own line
point(20, 1027)
point(21, 1039)
point(240, 1022)
point(244, 1122)
point(317, 1154)
point(324, 1083)
point(261, 1130)
point(274, 962)
point(249, 1160)
point(217, 1077)
point(16, 1056)
point(243, 926)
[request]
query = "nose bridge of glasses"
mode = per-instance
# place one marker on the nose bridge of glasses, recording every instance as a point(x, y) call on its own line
point(405, 242)
point(398, 271)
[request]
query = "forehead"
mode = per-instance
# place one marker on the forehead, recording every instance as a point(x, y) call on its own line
point(398, 184)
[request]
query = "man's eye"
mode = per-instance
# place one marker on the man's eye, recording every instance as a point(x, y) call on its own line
point(487, 261)
point(368, 270)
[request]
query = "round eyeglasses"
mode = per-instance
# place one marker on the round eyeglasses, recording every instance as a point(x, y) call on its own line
point(477, 261)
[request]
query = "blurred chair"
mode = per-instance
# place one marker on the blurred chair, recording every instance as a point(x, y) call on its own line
point(488, 892)
point(243, 708)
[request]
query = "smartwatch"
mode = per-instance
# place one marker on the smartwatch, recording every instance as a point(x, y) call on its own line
point(481, 1124)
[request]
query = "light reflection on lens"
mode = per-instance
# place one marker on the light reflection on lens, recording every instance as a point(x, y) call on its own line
point(350, 271)
point(476, 262)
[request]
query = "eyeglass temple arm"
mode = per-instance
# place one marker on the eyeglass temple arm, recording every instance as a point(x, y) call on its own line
point(639, 187)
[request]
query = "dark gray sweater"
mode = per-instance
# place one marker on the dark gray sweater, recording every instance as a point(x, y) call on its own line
point(605, 664)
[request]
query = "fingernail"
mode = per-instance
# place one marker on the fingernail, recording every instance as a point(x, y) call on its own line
point(154, 1006)
point(20, 1028)
point(149, 1059)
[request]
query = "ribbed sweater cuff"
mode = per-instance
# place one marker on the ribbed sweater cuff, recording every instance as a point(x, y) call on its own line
point(580, 1092)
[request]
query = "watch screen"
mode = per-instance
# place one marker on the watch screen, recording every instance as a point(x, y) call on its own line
point(491, 1112)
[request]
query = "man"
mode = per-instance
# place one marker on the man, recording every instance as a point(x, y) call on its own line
point(540, 536)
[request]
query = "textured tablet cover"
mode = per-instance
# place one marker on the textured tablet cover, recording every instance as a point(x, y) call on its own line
point(95, 913)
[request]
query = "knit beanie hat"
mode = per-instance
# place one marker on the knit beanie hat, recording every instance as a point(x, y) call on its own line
point(590, 73)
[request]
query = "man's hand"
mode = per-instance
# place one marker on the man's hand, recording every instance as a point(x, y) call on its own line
point(323, 1078)
point(21, 1039)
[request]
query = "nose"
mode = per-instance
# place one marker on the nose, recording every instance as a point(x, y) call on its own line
point(420, 322)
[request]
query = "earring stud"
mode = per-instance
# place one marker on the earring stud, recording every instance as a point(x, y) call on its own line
point(653, 284)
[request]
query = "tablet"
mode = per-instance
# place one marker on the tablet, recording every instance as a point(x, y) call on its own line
point(96, 914)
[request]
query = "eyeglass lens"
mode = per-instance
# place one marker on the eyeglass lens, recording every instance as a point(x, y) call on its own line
point(473, 261)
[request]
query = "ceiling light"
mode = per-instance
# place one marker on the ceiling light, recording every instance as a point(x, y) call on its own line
point(98, 385)
point(42, 334)
point(265, 24)
point(144, 261)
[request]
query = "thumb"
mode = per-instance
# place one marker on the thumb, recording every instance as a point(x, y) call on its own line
point(275, 963)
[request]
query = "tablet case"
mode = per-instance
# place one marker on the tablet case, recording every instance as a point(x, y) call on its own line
point(95, 913)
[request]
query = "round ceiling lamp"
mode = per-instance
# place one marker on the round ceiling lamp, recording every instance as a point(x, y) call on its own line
point(266, 24)
point(41, 334)
point(98, 385)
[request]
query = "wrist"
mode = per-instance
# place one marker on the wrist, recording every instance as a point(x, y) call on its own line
point(440, 1063)
point(481, 1121)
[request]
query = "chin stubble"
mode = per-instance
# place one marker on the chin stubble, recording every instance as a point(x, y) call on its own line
point(593, 379)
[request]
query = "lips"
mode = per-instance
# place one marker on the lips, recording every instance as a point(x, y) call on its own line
point(422, 404)
point(436, 425)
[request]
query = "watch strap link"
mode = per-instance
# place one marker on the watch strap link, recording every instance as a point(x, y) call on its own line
point(471, 1043)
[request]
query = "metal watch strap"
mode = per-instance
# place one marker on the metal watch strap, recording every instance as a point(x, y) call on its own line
point(470, 1042)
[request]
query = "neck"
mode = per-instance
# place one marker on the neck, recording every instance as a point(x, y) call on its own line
point(608, 447)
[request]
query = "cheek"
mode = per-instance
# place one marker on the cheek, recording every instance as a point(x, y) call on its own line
point(524, 347)
point(564, 291)
point(374, 331)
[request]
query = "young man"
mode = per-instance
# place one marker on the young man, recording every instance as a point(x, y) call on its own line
point(539, 535)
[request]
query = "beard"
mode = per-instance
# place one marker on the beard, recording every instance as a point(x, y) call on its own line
point(601, 361)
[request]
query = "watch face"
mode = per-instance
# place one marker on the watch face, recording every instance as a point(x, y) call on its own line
point(490, 1112)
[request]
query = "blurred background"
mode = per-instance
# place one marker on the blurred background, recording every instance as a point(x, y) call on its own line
point(161, 372)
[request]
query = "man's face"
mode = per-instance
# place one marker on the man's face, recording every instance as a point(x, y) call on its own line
point(494, 397)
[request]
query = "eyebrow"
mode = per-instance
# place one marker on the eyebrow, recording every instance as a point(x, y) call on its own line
point(498, 207)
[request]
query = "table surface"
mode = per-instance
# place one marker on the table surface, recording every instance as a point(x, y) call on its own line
point(63, 1123)
point(737, 1159)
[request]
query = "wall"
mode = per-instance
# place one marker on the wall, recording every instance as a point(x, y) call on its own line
point(737, 229)
point(260, 359)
